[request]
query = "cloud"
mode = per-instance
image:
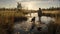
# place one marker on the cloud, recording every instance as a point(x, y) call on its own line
point(33, 3)
point(44, 0)
point(41, 4)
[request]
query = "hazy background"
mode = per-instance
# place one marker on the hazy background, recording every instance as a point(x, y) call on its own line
point(30, 4)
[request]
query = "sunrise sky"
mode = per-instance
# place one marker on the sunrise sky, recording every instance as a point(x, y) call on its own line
point(30, 4)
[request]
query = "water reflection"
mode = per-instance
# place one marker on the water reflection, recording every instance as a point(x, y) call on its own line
point(24, 26)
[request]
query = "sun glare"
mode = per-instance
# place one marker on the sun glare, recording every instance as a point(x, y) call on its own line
point(30, 6)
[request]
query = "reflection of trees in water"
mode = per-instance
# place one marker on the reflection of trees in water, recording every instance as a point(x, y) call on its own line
point(20, 19)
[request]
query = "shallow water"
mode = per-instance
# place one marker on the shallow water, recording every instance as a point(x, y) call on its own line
point(25, 26)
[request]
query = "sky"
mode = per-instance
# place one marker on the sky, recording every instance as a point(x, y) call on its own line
point(30, 4)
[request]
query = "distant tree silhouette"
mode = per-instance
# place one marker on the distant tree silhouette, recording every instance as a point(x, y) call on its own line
point(19, 5)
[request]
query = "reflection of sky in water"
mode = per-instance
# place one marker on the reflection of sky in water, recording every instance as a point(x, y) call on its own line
point(32, 14)
point(26, 25)
point(22, 26)
point(45, 19)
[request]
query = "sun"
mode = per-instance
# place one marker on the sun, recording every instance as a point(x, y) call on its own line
point(30, 6)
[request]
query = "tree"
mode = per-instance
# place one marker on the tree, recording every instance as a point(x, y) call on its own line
point(19, 5)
